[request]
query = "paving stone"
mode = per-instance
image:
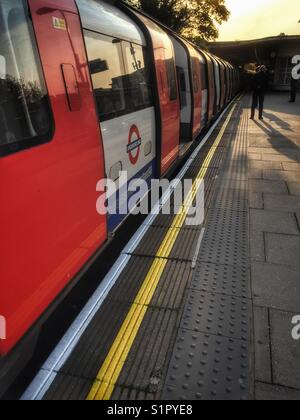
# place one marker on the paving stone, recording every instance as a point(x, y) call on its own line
point(255, 173)
point(259, 164)
point(279, 158)
point(283, 249)
point(262, 345)
point(257, 246)
point(268, 392)
point(286, 203)
point(271, 150)
point(298, 218)
point(207, 367)
point(256, 200)
point(276, 286)
point(271, 187)
point(273, 221)
point(294, 188)
point(254, 156)
point(288, 176)
point(291, 166)
point(285, 350)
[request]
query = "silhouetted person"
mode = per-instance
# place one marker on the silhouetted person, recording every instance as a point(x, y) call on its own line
point(259, 86)
point(293, 90)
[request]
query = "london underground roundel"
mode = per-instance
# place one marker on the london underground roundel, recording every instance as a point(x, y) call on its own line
point(134, 144)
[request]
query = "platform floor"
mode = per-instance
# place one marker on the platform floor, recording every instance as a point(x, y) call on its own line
point(214, 322)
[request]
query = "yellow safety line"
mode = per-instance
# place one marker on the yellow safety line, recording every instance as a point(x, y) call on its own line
point(110, 371)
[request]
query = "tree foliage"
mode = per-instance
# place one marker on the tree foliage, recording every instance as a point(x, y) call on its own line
point(194, 19)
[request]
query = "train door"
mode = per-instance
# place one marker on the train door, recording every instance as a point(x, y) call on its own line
point(118, 61)
point(185, 90)
point(167, 95)
point(197, 91)
point(211, 86)
point(227, 74)
point(218, 84)
point(204, 92)
point(52, 159)
point(222, 83)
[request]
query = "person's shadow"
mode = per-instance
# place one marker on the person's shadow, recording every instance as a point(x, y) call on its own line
point(282, 124)
point(278, 140)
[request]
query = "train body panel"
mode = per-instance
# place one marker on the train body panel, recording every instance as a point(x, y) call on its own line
point(48, 213)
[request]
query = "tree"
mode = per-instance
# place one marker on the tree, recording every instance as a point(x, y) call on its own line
point(194, 19)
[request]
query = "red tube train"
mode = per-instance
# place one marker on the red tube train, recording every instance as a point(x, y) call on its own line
point(87, 88)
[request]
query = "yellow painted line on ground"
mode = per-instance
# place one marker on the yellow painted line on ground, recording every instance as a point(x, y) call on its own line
point(110, 371)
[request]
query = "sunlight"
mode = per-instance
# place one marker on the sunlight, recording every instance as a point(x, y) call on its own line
point(260, 18)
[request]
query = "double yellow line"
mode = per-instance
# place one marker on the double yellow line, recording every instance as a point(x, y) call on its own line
point(110, 371)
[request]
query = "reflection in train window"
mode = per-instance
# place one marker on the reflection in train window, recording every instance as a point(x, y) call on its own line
point(172, 79)
point(107, 69)
point(25, 115)
point(138, 86)
point(119, 75)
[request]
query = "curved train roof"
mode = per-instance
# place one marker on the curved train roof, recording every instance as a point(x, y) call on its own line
point(99, 16)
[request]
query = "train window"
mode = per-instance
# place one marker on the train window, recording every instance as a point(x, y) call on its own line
point(137, 80)
point(120, 76)
point(107, 71)
point(25, 114)
point(172, 79)
point(203, 76)
point(195, 75)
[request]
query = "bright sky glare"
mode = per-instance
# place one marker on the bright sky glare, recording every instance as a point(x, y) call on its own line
point(253, 19)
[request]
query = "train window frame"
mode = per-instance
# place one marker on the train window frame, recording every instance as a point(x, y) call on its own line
point(124, 68)
point(30, 141)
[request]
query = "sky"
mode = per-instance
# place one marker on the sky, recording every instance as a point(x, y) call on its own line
point(253, 19)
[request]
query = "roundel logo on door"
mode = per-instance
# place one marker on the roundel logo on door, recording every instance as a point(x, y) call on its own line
point(134, 144)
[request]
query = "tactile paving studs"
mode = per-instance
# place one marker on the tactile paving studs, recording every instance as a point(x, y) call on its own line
point(225, 240)
point(207, 367)
point(231, 195)
point(224, 279)
point(217, 314)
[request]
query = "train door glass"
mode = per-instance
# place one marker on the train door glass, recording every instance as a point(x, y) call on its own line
point(108, 74)
point(25, 114)
point(171, 76)
point(182, 87)
point(137, 81)
point(195, 74)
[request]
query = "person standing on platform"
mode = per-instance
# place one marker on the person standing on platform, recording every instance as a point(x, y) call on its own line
point(259, 86)
point(293, 90)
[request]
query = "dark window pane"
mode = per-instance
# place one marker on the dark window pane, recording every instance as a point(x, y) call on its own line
point(195, 65)
point(24, 104)
point(119, 74)
point(203, 76)
point(172, 80)
point(137, 81)
point(107, 70)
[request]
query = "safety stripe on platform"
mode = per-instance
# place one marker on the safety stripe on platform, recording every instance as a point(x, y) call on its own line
point(110, 371)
